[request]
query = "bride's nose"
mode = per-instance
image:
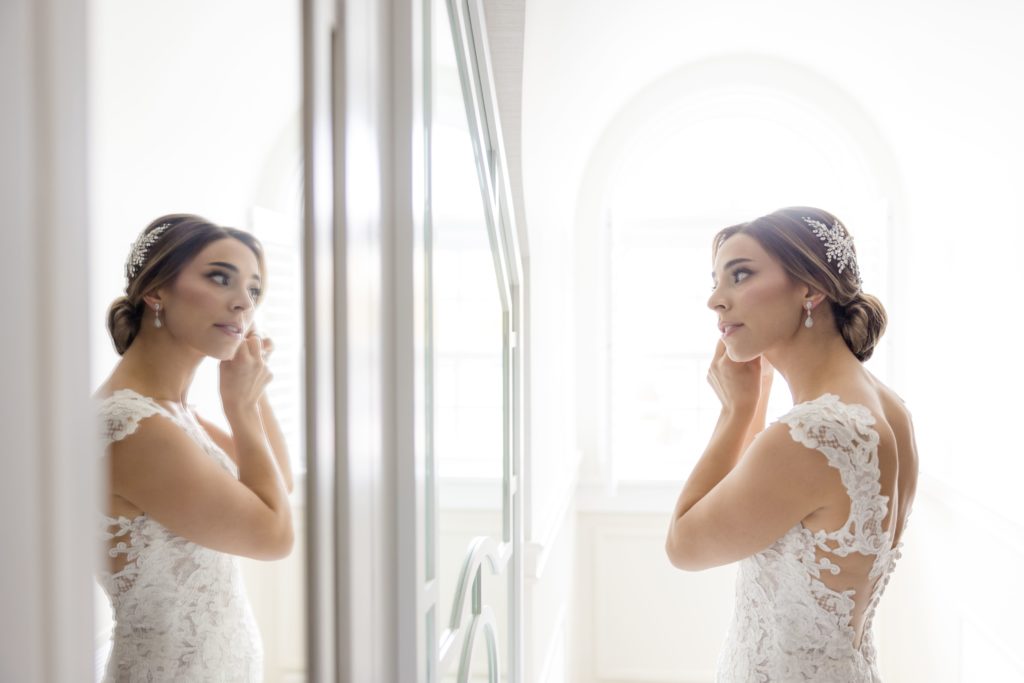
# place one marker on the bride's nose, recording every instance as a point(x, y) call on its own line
point(716, 301)
point(242, 302)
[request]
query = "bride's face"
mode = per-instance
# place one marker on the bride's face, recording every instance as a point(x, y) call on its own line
point(210, 305)
point(758, 305)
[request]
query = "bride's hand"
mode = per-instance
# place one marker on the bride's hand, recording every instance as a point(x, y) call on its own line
point(245, 376)
point(739, 385)
point(266, 343)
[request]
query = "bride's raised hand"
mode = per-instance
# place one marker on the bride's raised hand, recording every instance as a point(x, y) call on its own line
point(266, 343)
point(738, 384)
point(245, 376)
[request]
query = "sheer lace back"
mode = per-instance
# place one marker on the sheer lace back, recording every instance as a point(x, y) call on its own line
point(180, 609)
point(797, 611)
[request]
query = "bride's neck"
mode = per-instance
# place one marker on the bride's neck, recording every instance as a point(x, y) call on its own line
point(812, 369)
point(159, 368)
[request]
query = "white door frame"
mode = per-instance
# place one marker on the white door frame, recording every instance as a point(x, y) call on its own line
point(51, 447)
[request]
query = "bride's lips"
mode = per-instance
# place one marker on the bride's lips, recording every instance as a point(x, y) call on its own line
point(729, 329)
point(231, 330)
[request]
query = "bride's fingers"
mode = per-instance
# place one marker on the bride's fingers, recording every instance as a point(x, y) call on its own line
point(719, 350)
point(268, 346)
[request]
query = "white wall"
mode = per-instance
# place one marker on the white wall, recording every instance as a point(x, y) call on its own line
point(936, 84)
point(626, 594)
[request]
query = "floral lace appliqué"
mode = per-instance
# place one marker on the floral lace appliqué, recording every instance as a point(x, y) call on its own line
point(788, 624)
point(180, 610)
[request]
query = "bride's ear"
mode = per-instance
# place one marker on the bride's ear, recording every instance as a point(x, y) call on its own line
point(152, 299)
point(814, 296)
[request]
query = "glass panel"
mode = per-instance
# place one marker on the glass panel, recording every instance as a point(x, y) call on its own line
point(236, 160)
point(466, 375)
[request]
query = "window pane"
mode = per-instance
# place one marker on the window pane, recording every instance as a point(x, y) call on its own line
point(467, 359)
point(676, 188)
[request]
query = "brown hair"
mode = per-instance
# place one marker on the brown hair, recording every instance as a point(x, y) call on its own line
point(860, 318)
point(183, 238)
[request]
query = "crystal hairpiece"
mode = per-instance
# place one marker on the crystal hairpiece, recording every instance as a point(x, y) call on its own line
point(838, 245)
point(137, 257)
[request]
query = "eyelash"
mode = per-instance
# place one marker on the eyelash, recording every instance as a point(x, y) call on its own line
point(254, 292)
point(735, 273)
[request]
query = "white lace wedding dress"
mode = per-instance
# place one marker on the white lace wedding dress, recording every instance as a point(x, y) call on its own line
point(180, 609)
point(788, 625)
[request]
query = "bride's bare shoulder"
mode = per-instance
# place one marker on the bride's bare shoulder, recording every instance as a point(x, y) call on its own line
point(897, 414)
point(895, 409)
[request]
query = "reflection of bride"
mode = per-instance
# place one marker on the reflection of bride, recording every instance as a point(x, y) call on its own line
point(185, 497)
point(815, 504)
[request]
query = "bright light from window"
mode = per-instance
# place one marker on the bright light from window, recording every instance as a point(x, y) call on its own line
point(740, 154)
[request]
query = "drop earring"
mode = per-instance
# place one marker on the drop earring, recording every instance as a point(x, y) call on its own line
point(810, 321)
point(156, 323)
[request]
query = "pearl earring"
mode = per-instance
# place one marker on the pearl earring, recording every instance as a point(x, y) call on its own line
point(810, 321)
point(156, 323)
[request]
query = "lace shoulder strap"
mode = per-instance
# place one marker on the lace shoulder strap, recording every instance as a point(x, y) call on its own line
point(844, 434)
point(121, 412)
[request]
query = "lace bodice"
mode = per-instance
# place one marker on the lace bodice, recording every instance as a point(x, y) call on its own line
point(788, 624)
point(180, 609)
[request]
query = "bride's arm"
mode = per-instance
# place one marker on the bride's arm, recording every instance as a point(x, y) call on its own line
point(706, 533)
point(272, 430)
point(275, 436)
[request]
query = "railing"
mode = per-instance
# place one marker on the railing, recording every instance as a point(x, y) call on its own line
point(481, 549)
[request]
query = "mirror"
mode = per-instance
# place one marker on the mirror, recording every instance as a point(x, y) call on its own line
point(196, 108)
point(467, 377)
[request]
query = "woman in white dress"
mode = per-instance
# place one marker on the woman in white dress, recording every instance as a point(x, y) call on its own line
point(814, 505)
point(184, 497)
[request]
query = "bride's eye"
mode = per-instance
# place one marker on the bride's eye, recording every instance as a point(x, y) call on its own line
point(738, 272)
point(219, 277)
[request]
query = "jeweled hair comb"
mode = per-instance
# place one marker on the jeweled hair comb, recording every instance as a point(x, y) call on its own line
point(838, 245)
point(137, 257)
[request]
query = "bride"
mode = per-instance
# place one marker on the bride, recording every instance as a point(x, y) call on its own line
point(184, 497)
point(814, 506)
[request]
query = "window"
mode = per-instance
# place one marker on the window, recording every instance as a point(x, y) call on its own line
point(280, 318)
point(740, 154)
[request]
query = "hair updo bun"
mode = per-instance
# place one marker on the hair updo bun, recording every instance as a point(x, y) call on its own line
point(123, 321)
point(861, 322)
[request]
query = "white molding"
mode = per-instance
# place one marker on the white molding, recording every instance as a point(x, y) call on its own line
point(537, 552)
point(607, 533)
point(561, 639)
point(403, 295)
point(641, 498)
point(330, 602)
point(49, 491)
point(637, 675)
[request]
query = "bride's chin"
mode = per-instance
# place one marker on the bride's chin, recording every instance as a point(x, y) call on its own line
point(221, 354)
point(740, 355)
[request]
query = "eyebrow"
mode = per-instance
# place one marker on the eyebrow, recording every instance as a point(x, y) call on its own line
point(232, 268)
point(730, 264)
